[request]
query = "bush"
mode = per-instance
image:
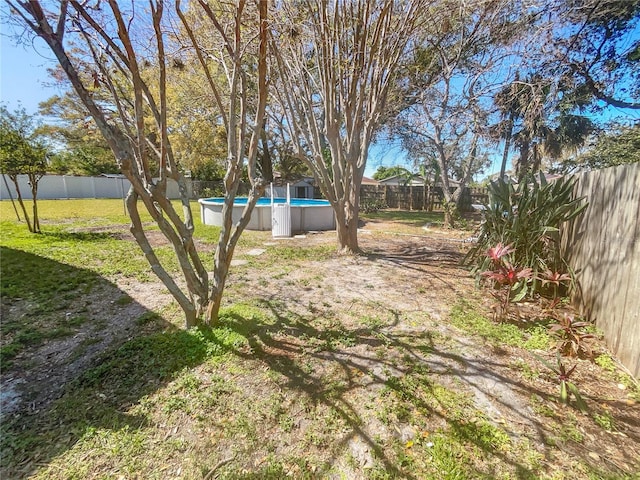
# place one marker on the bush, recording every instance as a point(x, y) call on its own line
point(208, 192)
point(527, 218)
point(372, 206)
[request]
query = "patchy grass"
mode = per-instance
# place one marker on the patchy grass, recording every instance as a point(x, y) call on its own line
point(469, 318)
point(105, 253)
point(110, 404)
point(46, 292)
point(251, 398)
point(414, 218)
point(320, 367)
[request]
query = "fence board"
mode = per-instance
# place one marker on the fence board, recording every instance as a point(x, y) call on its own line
point(417, 197)
point(603, 247)
point(69, 186)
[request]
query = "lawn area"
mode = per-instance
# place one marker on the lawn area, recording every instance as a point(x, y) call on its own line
point(385, 365)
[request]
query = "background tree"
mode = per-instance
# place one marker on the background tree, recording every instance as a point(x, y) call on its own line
point(578, 58)
point(22, 153)
point(198, 135)
point(618, 145)
point(337, 62)
point(113, 55)
point(507, 102)
point(286, 164)
point(80, 147)
point(386, 172)
point(450, 83)
point(541, 126)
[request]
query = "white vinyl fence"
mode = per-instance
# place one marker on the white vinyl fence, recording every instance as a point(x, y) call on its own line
point(66, 186)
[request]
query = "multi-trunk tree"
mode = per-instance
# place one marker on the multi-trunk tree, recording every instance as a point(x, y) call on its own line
point(337, 62)
point(123, 52)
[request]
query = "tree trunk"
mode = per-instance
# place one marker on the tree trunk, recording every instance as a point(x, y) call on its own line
point(451, 207)
point(523, 163)
point(15, 209)
point(220, 270)
point(347, 236)
point(14, 179)
point(448, 216)
point(347, 217)
point(348, 239)
point(347, 227)
point(137, 230)
point(507, 145)
point(33, 181)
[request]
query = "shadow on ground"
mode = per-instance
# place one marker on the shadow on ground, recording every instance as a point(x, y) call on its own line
point(283, 345)
point(73, 345)
point(414, 365)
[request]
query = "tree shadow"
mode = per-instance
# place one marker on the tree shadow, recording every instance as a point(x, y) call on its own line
point(278, 343)
point(420, 257)
point(57, 387)
point(152, 352)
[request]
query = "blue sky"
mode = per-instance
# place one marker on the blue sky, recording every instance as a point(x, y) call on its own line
point(23, 73)
point(24, 82)
point(24, 78)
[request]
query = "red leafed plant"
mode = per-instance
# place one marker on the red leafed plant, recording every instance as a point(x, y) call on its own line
point(511, 283)
point(574, 341)
point(556, 279)
point(567, 387)
point(498, 252)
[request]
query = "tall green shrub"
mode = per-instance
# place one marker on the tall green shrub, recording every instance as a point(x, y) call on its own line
point(527, 217)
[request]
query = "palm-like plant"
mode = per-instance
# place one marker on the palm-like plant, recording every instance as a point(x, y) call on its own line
point(537, 125)
point(527, 217)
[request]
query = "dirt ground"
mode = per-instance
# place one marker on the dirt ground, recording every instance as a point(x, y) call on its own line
point(405, 282)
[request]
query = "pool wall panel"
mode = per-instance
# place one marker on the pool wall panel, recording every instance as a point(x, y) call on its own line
point(303, 218)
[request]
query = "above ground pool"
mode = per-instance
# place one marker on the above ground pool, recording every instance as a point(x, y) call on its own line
point(306, 214)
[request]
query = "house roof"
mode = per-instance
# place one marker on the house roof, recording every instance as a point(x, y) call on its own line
point(401, 180)
point(278, 181)
point(369, 181)
point(416, 181)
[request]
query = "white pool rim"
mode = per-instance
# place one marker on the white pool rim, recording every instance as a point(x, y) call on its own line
point(306, 214)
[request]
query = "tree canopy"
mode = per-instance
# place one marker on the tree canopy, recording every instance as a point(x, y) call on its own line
point(386, 172)
point(22, 152)
point(619, 146)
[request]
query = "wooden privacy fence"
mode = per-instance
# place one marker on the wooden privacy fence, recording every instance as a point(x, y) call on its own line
point(417, 197)
point(603, 247)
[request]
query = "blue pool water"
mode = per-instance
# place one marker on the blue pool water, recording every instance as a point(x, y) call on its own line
point(265, 201)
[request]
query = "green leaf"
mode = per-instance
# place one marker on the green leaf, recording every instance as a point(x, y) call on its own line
point(580, 403)
point(521, 294)
point(545, 363)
